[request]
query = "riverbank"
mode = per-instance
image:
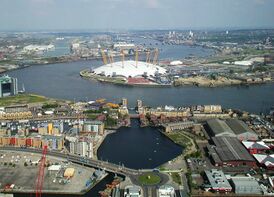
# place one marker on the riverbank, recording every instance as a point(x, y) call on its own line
point(202, 81)
point(24, 99)
point(117, 80)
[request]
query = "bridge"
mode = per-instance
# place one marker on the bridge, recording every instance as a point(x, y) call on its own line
point(134, 116)
point(107, 166)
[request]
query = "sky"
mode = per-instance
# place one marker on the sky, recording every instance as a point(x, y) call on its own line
point(135, 14)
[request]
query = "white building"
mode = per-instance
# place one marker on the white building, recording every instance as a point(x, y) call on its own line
point(129, 69)
point(166, 191)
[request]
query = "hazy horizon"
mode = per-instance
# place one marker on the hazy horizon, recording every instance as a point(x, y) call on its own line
point(114, 15)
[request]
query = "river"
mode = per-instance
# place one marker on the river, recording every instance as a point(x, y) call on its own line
point(63, 81)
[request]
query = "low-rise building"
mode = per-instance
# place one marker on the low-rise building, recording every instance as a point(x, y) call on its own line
point(218, 128)
point(265, 160)
point(166, 191)
point(241, 130)
point(255, 147)
point(169, 127)
point(245, 185)
point(228, 151)
point(217, 180)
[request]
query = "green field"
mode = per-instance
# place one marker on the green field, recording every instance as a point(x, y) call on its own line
point(23, 99)
point(179, 138)
point(149, 179)
point(176, 178)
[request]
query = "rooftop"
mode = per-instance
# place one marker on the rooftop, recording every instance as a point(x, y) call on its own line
point(238, 126)
point(219, 127)
point(129, 69)
point(231, 149)
point(217, 179)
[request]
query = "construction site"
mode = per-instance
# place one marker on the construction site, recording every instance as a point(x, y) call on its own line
point(23, 172)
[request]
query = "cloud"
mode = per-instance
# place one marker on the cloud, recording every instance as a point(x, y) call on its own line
point(153, 3)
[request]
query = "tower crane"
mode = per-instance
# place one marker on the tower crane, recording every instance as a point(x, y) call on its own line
point(40, 176)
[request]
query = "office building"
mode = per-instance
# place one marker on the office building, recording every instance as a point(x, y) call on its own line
point(8, 86)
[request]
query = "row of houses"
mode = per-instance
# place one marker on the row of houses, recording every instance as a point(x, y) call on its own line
point(36, 141)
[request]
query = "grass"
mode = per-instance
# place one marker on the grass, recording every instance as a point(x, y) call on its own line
point(149, 179)
point(23, 99)
point(176, 178)
point(178, 138)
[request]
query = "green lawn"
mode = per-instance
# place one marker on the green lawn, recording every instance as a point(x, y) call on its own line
point(149, 179)
point(179, 138)
point(176, 178)
point(23, 99)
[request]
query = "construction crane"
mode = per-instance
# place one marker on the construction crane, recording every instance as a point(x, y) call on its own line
point(40, 177)
point(136, 57)
point(104, 56)
point(155, 59)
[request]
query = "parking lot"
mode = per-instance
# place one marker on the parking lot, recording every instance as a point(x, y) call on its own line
point(19, 171)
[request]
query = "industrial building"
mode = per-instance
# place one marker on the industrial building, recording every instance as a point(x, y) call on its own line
point(169, 127)
point(264, 160)
point(232, 128)
point(132, 191)
point(228, 151)
point(8, 86)
point(217, 181)
point(245, 185)
point(166, 191)
point(129, 68)
point(218, 128)
point(255, 147)
point(241, 130)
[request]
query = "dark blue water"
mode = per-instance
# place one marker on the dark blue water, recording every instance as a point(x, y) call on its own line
point(139, 148)
point(63, 81)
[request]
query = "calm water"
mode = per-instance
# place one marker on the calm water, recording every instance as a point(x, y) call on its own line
point(138, 148)
point(63, 81)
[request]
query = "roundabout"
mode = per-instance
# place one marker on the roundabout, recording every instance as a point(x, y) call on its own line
point(149, 179)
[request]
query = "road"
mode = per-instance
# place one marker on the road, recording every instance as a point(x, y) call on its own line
point(110, 167)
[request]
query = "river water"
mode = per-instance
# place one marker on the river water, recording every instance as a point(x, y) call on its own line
point(63, 81)
point(139, 147)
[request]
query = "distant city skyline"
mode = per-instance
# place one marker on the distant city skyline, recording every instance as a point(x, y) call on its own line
point(135, 14)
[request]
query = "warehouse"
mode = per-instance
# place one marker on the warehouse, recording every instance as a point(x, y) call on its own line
point(217, 128)
point(241, 130)
point(266, 161)
point(255, 147)
point(228, 151)
point(245, 185)
point(218, 181)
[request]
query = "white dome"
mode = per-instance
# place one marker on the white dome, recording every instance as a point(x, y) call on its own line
point(129, 69)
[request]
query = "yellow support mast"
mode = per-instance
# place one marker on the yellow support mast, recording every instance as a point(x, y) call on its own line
point(104, 57)
point(136, 57)
point(148, 57)
point(155, 59)
point(123, 57)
